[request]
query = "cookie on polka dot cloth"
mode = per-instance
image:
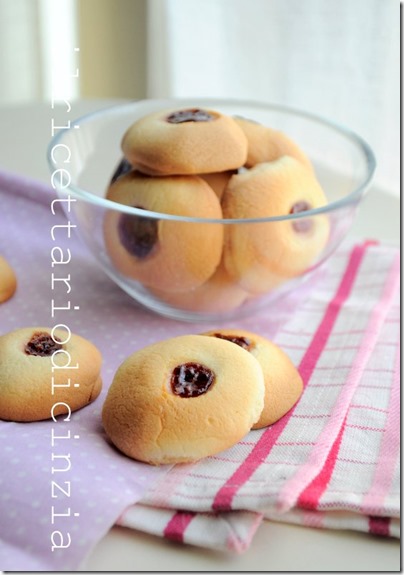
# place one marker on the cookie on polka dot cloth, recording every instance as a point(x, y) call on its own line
point(8, 280)
point(283, 383)
point(45, 373)
point(182, 399)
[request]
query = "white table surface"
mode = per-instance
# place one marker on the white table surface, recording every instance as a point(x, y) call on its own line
point(24, 134)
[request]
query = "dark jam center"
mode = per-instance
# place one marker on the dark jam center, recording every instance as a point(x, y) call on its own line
point(243, 342)
point(191, 379)
point(191, 115)
point(138, 235)
point(124, 167)
point(42, 344)
point(303, 225)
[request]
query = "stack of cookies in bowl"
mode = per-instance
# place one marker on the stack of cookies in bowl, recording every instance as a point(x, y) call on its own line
point(233, 188)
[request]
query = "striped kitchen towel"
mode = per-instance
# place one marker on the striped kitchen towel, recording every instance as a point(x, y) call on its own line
point(334, 460)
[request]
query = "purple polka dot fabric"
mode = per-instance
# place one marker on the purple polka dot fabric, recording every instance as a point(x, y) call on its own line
point(62, 485)
point(54, 526)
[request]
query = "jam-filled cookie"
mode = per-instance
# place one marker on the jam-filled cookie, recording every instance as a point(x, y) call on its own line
point(184, 141)
point(45, 373)
point(183, 399)
point(166, 254)
point(261, 256)
point(218, 294)
point(266, 144)
point(218, 181)
point(8, 280)
point(283, 383)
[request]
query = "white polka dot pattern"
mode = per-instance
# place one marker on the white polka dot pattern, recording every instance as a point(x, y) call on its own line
point(101, 482)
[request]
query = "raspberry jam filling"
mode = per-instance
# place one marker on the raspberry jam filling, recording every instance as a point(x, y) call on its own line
point(243, 342)
point(138, 235)
point(191, 115)
point(124, 167)
point(302, 225)
point(42, 344)
point(191, 379)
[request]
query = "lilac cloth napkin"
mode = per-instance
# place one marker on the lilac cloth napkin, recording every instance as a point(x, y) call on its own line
point(77, 503)
point(100, 482)
point(103, 485)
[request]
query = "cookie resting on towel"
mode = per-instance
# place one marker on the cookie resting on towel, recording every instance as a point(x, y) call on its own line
point(283, 383)
point(183, 399)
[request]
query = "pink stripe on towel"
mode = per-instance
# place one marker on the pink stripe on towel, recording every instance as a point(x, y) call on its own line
point(225, 495)
point(310, 497)
point(323, 332)
point(379, 526)
point(292, 489)
point(389, 450)
point(176, 527)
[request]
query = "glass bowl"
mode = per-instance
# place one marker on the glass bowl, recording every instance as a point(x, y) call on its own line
point(217, 267)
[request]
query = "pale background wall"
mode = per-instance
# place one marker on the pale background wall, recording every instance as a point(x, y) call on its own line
point(338, 59)
point(112, 39)
point(37, 35)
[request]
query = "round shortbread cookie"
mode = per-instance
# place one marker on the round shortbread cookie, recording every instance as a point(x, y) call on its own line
point(283, 383)
point(183, 399)
point(260, 256)
point(165, 254)
point(218, 181)
point(45, 373)
point(8, 280)
point(187, 141)
point(266, 144)
point(218, 294)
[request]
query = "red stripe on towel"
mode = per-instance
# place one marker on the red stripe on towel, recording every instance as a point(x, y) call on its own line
point(318, 457)
point(310, 497)
point(225, 496)
point(176, 527)
point(379, 526)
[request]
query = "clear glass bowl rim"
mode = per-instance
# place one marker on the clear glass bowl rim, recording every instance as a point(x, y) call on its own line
point(350, 198)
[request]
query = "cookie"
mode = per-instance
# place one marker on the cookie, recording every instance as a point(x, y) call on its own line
point(163, 253)
point(260, 256)
point(283, 383)
point(218, 294)
point(183, 399)
point(218, 181)
point(8, 280)
point(184, 141)
point(44, 373)
point(266, 144)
